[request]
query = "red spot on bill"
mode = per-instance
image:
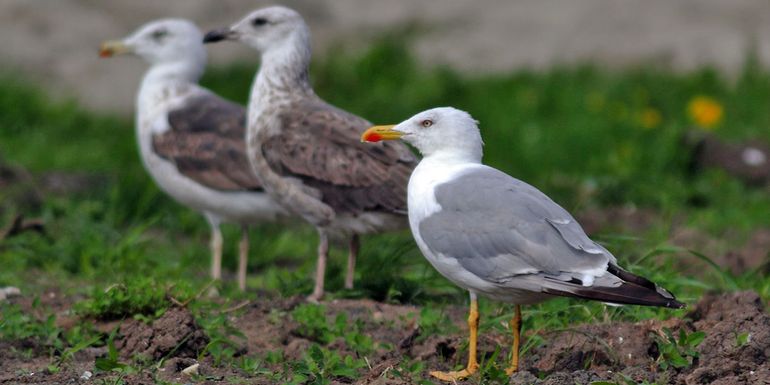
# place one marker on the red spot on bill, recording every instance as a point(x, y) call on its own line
point(373, 137)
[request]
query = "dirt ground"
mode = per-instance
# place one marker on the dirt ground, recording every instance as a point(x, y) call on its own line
point(579, 355)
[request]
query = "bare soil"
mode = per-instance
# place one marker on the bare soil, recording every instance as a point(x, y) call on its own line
point(174, 334)
point(578, 355)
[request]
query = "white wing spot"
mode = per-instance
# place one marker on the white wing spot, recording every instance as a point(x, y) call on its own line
point(593, 250)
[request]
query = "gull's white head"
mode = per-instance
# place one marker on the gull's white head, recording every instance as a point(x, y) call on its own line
point(266, 29)
point(165, 41)
point(438, 130)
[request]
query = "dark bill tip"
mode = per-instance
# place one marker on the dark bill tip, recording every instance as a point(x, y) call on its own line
point(217, 35)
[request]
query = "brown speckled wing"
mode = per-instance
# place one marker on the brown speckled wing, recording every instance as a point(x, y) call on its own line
point(320, 145)
point(206, 143)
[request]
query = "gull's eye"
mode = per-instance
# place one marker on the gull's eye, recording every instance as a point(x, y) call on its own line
point(426, 123)
point(158, 35)
point(259, 21)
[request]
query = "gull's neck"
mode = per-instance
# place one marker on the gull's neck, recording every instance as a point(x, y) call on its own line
point(451, 157)
point(165, 81)
point(183, 71)
point(283, 74)
point(433, 170)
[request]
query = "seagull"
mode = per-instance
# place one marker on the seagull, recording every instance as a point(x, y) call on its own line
point(307, 153)
point(497, 236)
point(191, 141)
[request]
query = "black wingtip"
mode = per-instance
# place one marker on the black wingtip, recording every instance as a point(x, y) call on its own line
point(217, 35)
point(626, 294)
point(646, 283)
point(674, 304)
point(632, 290)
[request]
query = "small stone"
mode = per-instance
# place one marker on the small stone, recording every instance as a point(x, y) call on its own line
point(8, 292)
point(753, 157)
point(523, 377)
point(191, 370)
point(86, 375)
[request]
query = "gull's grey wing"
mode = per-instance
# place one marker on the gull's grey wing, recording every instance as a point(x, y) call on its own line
point(498, 227)
point(205, 141)
point(321, 146)
point(511, 234)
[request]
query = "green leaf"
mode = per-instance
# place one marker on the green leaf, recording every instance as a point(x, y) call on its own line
point(694, 339)
point(315, 353)
point(743, 339)
point(108, 365)
point(682, 341)
point(676, 359)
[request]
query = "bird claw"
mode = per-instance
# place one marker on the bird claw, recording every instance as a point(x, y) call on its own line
point(314, 298)
point(455, 375)
point(511, 369)
point(212, 292)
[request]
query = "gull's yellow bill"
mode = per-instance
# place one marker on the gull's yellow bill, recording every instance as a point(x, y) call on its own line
point(379, 133)
point(113, 48)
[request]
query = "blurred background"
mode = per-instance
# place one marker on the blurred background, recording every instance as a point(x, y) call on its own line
point(648, 119)
point(56, 40)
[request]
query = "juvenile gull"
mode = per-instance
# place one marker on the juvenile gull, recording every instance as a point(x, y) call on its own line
point(307, 153)
point(497, 236)
point(191, 141)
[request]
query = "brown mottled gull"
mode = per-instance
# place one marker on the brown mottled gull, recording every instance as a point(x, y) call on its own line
point(306, 152)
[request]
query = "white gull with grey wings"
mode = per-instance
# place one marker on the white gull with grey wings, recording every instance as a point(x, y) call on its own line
point(497, 236)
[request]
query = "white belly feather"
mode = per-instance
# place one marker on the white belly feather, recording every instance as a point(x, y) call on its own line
point(231, 206)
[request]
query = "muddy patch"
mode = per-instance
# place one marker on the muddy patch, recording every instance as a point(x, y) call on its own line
point(174, 334)
point(734, 350)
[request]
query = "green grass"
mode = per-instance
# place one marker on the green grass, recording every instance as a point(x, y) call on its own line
point(576, 133)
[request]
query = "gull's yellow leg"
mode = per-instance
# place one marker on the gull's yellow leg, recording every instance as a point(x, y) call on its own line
point(516, 329)
point(473, 326)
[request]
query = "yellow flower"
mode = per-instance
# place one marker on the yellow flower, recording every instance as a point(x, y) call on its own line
point(649, 118)
point(705, 111)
